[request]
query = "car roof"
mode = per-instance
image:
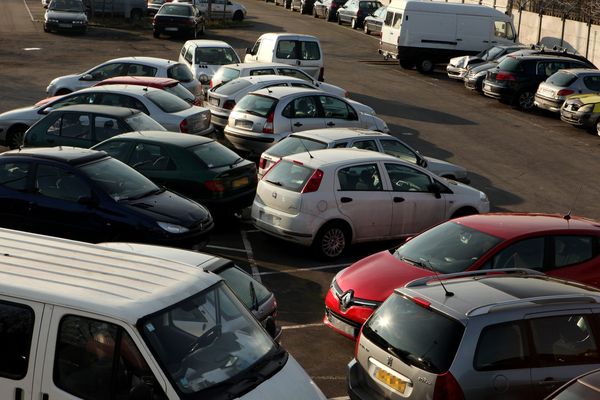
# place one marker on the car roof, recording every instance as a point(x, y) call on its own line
point(154, 81)
point(333, 134)
point(591, 380)
point(258, 65)
point(279, 92)
point(267, 78)
point(66, 154)
point(484, 294)
point(154, 61)
point(546, 56)
point(581, 71)
point(163, 137)
point(121, 88)
point(510, 225)
point(207, 43)
point(92, 278)
point(119, 112)
point(331, 157)
point(287, 35)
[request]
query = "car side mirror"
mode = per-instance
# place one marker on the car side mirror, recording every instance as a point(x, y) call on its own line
point(87, 77)
point(47, 110)
point(270, 327)
point(45, 5)
point(435, 189)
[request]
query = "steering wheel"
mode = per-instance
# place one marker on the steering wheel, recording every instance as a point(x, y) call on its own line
point(160, 158)
point(406, 186)
point(205, 339)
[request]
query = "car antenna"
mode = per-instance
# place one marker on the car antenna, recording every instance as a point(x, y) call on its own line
point(428, 265)
point(567, 216)
point(306, 148)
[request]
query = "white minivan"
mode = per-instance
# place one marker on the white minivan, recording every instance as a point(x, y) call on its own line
point(81, 321)
point(424, 33)
point(303, 51)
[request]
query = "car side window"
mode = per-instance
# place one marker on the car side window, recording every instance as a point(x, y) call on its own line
point(564, 340)
point(140, 70)
point(389, 19)
point(108, 71)
point(364, 177)
point(294, 73)
point(340, 145)
point(286, 49)
point(592, 82)
point(14, 176)
point(58, 183)
point(501, 346)
point(336, 108)
point(398, 150)
point(397, 20)
point(571, 249)
point(82, 98)
point(304, 107)
point(407, 179)
point(116, 149)
point(183, 52)
point(150, 157)
point(302, 85)
point(120, 100)
point(97, 360)
point(309, 51)
point(106, 127)
point(527, 253)
point(255, 48)
point(263, 71)
point(365, 145)
point(72, 125)
point(16, 330)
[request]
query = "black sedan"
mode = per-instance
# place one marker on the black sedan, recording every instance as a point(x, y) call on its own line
point(86, 195)
point(355, 11)
point(327, 9)
point(175, 19)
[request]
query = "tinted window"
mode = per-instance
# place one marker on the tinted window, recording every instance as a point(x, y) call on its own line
point(296, 73)
point(167, 102)
point(305, 107)
point(233, 86)
point(172, 9)
point(510, 64)
point(527, 253)
point(570, 250)
point(150, 157)
point(181, 92)
point(286, 49)
point(425, 338)
point(214, 155)
point(369, 5)
point(365, 145)
point(180, 72)
point(116, 99)
point(294, 145)
point(492, 54)
point(60, 183)
point(227, 74)
point(549, 68)
point(501, 347)
point(81, 98)
point(406, 179)
point(72, 125)
point(389, 18)
point(398, 150)
point(243, 285)
point(263, 71)
point(336, 108)
point(289, 175)
point(13, 175)
point(105, 127)
point(364, 177)
point(142, 122)
point(592, 82)
point(139, 70)
point(256, 105)
point(66, 5)
point(16, 329)
point(116, 149)
point(562, 79)
point(108, 71)
point(215, 56)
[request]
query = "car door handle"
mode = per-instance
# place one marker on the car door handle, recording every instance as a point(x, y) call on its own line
point(550, 381)
point(331, 123)
point(346, 199)
point(398, 199)
point(297, 124)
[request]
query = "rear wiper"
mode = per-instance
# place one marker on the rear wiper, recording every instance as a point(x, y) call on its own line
point(237, 161)
point(277, 183)
point(411, 359)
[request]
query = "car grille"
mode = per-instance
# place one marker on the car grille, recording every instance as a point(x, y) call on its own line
point(199, 122)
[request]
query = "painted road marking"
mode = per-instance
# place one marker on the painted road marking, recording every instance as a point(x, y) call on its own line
point(286, 327)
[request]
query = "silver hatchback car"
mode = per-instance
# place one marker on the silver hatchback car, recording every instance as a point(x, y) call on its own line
point(513, 334)
point(266, 116)
point(552, 93)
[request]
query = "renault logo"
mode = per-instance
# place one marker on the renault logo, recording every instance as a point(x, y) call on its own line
point(346, 299)
point(390, 360)
point(274, 195)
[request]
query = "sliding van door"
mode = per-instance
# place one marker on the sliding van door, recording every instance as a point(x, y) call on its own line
point(474, 33)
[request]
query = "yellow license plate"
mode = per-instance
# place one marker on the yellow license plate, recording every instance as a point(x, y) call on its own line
point(240, 182)
point(390, 380)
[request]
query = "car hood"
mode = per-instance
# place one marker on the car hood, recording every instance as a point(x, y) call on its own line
point(590, 98)
point(169, 207)
point(66, 79)
point(376, 276)
point(460, 62)
point(206, 69)
point(73, 15)
point(26, 115)
point(362, 107)
point(441, 167)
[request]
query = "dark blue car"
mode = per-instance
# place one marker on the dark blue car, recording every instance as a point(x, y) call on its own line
point(87, 195)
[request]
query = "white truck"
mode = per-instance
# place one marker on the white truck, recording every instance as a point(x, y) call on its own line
point(423, 33)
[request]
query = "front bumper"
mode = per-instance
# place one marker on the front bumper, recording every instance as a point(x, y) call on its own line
point(65, 26)
point(585, 119)
point(456, 72)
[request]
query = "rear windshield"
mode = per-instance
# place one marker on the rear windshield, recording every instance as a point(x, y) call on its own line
point(180, 72)
point(181, 92)
point(289, 175)
point(419, 336)
point(369, 5)
point(257, 105)
point(176, 9)
point(167, 102)
point(142, 122)
point(227, 74)
point(509, 64)
point(233, 86)
point(561, 79)
point(215, 56)
point(294, 145)
point(215, 155)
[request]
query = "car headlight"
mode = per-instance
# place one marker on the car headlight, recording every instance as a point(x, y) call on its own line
point(53, 20)
point(586, 108)
point(79, 22)
point(172, 228)
point(483, 197)
point(204, 79)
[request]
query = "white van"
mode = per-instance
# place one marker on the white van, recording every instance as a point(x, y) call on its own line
point(423, 33)
point(303, 51)
point(81, 321)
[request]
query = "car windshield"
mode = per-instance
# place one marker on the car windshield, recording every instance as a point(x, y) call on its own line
point(257, 105)
point(66, 5)
point(447, 248)
point(119, 180)
point(215, 56)
point(509, 64)
point(181, 92)
point(142, 122)
point(180, 72)
point(294, 145)
point(210, 342)
point(562, 79)
point(492, 53)
point(251, 292)
point(419, 336)
point(233, 86)
point(167, 102)
point(226, 74)
point(214, 155)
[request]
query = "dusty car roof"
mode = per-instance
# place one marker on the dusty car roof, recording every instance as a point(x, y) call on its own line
point(333, 134)
point(154, 81)
point(146, 60)
point(69, 155)
point(207, 42)
point(171, 138)
point(120, 112)
point(330, 157)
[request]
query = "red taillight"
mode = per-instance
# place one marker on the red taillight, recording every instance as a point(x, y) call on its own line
point(229, 104)
point(183, 126)
point(346, 94)
point(505, 76)
point(268, 128)
point(565, 92)
point(198, 101)
point(313, 182)
point(446, 387)
point(421, 302)
point(210, 84)
point(187, 22)
point(262, 163)
point(215, 186)
point(321, 74)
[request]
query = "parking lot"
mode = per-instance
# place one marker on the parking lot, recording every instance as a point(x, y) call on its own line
point(524, 161)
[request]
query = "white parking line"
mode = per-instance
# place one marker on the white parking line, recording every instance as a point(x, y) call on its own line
point(28, 11)
point(306, 269)
point(287, 327)
point(226, 248)
point(250, 255)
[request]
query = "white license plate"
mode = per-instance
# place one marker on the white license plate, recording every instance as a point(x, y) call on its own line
point(214, 102)
point(341, 325)
point(242, 123)
point(65, 25)
point(171, 29)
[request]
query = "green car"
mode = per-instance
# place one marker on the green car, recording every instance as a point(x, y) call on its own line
point(582, 110)
point(197, 167)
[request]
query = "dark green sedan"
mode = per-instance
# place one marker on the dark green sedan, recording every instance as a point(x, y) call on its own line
point(194, 166)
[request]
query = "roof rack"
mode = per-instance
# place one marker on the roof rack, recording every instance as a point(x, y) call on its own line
point(482, 272)
point(549, 299)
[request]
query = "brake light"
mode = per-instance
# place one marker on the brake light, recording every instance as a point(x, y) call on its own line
point(210, 84)
point(313, 182)
point(346, 94)
point(565, 92)
point(183, 126)
point(268, 128)
point(198, 101)
point(229, 104)
point(505, 76)
point(262, 163)
point(421, 302)
point(187, 22)
point(446, 387)
point(321, 74)
point(215, 186)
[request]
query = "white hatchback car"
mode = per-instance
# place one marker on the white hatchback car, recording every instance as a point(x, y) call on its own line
point(357, 138)
point(267, 116)
point(125, 66)
point(204, 57)
point(170, 111)
point(220, 9)
point(223, 98)
point(326, 199)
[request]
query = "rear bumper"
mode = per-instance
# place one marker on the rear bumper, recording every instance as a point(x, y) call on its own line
point(250, 142)
point(548, 104)
point(498, 92)
point(356, 385)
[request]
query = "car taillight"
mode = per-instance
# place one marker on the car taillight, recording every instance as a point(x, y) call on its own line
point(262, 163)
point(565, 92)
point(210, 84)
point(321, 74)
point(183, 126)
point(313, 182)
point(268, 128)
point(505, 76)
point(421, 302)
point(446, 387)
point(188, 22)
point(198, 101)
point(215, 186)
point(229, 104)
point(346, 94)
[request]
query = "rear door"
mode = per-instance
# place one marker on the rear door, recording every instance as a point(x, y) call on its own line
point(338, 113)
point(390, 30)
point(304, 113)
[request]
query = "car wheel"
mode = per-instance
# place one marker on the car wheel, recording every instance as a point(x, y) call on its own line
point(327, 16)
point(155, 33)
point(425, 66)
point(46, 28)
point(238, 15)
point(331, 240)
point(315, 13)
point(15, 136)
point(302, 9)
point(339, 20)
point(407, 64)
point(524, 100)
point(353, 23)
point(366, 28)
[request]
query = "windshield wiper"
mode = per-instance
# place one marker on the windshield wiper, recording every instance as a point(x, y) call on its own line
point(412, 359)
point(237, 161)
point(421, 262)
point(277, 183)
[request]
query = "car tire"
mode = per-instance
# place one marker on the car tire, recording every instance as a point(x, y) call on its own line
point(46, 28)
point(238, 16)
point(156, 33)
point(315, 13)
point(339, 20)
point(15, 136)
point(407, 64)
point(302, 8)
point(366, 28)
point(524, 100)
point(353, 24)
point(425, 66)
point(327, 16)
point(331, 240)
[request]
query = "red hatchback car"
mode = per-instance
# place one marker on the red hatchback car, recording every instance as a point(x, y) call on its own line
point(560, 246)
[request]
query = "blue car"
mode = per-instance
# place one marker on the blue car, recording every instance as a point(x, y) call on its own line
point(87, 195)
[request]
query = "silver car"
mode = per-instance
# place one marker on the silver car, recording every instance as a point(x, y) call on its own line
point(165, 108)
point(223, 98)
point(552, 93)
point(490, 334)
point(266, 116)
point(359, 139)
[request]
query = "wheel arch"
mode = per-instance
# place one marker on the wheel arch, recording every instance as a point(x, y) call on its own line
point(464, 211)
point(342, 222)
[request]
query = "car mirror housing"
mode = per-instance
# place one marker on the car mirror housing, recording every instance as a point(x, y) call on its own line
point(435, 189)
point(248, 50)
point(47, 110)
point(87, 77)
